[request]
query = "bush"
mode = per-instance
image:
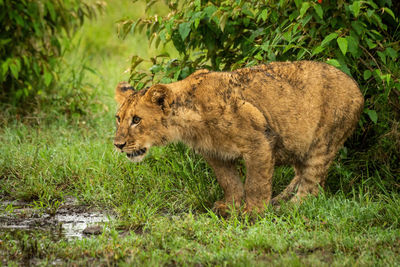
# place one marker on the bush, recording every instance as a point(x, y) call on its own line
point(359, 37)
point(31, 43)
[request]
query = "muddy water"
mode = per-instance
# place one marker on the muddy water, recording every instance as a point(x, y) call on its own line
point(70, 220)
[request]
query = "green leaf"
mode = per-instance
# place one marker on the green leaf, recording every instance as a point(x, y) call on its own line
point(155, 68)
point(294, 15)
point(329, 38)
point(390, 12)
point(317, 50)
point(287, 36)
point(176, 74)
point(377, 34)
point(391, 52)
point(290, 46)
point(196, 23)
point(298, 3)
point(178, 43)
point(47, 77)
point(256, 33)
point(370, 43)
point(382, 56)
point(14, 69)
point(355, 8)
point(184, 29)
point(367, 74)
point(18, 63)
point(51, 10)
point(343, 67)
point(185, 72)
point(342, 42)
point(5, 41)
point(306, 19)
point(258, 56)
point(358, 26)
point(223, 20)
point(271, 56)
point(158, 40)
point(19, 19)
point(19, 93)
point(135, 61)
point(247, 11)
point(333, 62)
point(4, 67)
point(352, 46)
point(372, 115)
point(264, 14)
point(378, 74)
point(265, 46)
point(388, 78)
point(319, 11)
point(304, 7)
point(301, 53)
point(208, 11)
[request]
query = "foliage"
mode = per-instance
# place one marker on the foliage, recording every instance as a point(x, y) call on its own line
point(359, 37)
point(31, 43)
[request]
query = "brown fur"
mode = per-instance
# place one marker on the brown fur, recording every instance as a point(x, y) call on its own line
point(297, 113)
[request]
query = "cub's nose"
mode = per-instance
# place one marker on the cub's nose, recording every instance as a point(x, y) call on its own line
point(119, 145)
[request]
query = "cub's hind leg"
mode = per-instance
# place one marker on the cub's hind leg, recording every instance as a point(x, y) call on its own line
point(228, 178)
point(314, 170)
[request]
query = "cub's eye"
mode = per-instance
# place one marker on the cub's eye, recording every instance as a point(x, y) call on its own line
point(136, 120)
point(118, 119)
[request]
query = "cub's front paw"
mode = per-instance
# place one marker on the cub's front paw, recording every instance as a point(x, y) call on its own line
point(221, 208)
point(256, 208)
point(224, 208)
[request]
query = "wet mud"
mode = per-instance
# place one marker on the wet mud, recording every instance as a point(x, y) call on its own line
point(69, 221)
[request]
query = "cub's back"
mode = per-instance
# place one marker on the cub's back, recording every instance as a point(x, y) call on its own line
point(303, 101)
point(303, 85)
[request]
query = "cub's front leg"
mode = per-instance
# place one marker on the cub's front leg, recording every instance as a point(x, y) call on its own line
point(257, 154)
point(260, 167)
point(228, 177)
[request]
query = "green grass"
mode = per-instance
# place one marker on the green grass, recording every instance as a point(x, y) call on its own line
point(162, 206)
point(324, 231)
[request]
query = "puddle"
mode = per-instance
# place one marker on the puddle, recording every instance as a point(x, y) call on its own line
point(73, 225)
point(70, 221)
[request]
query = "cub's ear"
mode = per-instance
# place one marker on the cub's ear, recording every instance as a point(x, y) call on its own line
point(160, 95)
point(123, 90)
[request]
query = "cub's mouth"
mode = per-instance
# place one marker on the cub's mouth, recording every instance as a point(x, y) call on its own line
point(136, 153)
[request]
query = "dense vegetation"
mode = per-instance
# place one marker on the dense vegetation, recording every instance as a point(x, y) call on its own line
point(161, 207)
point(359, 37)
point(31, 39)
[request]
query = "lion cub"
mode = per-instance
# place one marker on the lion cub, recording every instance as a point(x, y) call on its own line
point(297, 113)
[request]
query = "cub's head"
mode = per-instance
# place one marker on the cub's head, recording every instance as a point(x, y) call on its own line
point(141, 119)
